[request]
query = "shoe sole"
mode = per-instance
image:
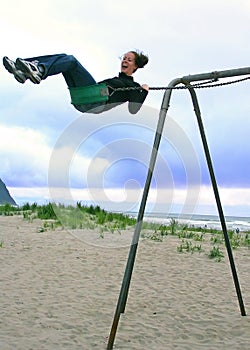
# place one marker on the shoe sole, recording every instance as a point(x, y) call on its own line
point(26, 70)
point(10, 69)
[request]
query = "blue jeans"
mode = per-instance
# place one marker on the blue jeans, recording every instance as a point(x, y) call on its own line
point(74, 73)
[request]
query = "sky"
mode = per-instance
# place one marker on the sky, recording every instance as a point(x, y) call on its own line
point(51, 152)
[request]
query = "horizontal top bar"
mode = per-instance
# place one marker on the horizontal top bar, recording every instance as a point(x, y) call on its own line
point(215, 75)
point(198, 77)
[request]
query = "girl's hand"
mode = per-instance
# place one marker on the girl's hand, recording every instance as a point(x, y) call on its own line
point(145, 86)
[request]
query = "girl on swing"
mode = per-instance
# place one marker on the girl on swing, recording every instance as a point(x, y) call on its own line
point(76, 76)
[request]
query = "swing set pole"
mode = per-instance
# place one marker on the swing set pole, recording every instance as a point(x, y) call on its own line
point(215, 75)
point(121, 304)
point(217, 198)
point(134, 245)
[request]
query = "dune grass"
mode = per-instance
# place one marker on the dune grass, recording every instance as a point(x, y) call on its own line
point(96, 218)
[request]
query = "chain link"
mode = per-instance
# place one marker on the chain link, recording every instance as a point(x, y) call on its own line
point(206, 84)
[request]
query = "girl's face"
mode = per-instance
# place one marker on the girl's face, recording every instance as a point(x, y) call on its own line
point(128, 63)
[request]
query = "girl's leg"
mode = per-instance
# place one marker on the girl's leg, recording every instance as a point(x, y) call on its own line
point(74, 73)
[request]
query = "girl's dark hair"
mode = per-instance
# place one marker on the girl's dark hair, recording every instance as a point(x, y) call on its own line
point(140, 59)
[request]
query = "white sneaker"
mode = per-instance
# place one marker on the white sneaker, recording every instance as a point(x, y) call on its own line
point(30, 69)
point(12, 68)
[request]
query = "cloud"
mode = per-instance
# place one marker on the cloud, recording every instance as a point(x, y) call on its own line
point(181, 38)
point(24, 156)
point(235, 202)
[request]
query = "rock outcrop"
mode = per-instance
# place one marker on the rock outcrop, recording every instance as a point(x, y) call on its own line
point(5, 197)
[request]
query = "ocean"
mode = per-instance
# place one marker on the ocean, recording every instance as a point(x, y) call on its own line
point(196, 220)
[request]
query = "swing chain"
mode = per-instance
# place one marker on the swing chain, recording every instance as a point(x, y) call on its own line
point(206, 84)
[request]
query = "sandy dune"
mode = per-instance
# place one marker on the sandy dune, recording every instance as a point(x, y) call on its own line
point(60, 292)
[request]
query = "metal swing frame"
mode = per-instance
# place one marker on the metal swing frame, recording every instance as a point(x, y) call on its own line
point(186, 81)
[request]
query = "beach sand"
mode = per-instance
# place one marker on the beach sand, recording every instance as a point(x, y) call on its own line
point(60, 292)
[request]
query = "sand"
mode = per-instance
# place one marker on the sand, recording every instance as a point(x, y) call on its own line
point(60, 292)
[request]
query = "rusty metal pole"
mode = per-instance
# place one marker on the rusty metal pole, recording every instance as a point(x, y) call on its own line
point(217, 199)
point(134, 245)
point(121, 304)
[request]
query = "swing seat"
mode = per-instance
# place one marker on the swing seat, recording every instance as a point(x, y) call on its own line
point(89, 94)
